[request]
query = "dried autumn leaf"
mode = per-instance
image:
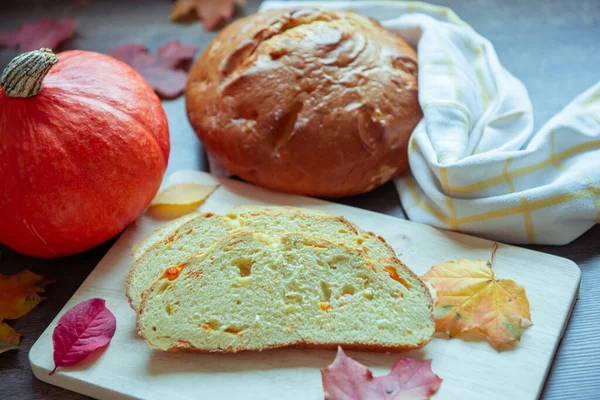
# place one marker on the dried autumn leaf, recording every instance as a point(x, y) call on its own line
point(347, 379)
point(470, 300)
point(19, 293)
point(35, 35)
point(211, 12)
point(161, 70)
point(81, 330)
point(180, 199)
point(9, 338)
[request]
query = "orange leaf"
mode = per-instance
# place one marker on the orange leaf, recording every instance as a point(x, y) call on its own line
point(212, 12)
point(19, 293)
point(9, 338)
point(470, 300)
point(180, 199)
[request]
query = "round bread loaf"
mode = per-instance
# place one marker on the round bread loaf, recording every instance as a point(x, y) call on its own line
point(307, 101)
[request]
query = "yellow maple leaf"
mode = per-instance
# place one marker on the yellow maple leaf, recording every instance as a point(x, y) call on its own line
point(9, 338)
point(470, 300)
point(19, 293)
point(179, 199)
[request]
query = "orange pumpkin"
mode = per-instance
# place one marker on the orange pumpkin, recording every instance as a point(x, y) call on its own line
point(81, 155)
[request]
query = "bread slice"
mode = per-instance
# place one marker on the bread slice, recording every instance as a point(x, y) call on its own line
point(253, 292)
point(196, 235)
point(201, 232)
point(161, 234)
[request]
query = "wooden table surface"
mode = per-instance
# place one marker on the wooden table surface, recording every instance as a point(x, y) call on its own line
point(554, 48)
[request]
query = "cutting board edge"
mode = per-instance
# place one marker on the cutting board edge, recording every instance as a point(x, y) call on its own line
point(70, 382)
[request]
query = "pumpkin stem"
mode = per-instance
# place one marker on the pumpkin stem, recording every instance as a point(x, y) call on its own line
point(23, 76)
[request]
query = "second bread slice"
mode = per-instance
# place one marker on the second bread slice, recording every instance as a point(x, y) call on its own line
point(204, 230)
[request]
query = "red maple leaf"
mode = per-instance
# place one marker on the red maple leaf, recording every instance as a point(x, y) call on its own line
point(81, 330)
point(346, 379)
point(161, 70)
point(35, 35)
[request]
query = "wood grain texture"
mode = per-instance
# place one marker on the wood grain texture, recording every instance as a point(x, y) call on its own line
point(552, 47)
point(471, 370)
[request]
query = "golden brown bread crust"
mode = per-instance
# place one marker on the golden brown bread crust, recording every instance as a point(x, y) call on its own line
point(306, 101)
point(185, 347)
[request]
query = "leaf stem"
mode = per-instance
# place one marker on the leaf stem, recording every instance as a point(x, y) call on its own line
point(493, 260)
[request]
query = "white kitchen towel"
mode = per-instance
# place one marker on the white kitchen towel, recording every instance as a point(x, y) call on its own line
point(477, 166)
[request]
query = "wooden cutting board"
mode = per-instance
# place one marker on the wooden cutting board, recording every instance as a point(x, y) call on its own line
point(470, 370)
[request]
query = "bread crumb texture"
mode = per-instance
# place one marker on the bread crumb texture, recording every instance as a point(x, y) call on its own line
point(262, 278)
